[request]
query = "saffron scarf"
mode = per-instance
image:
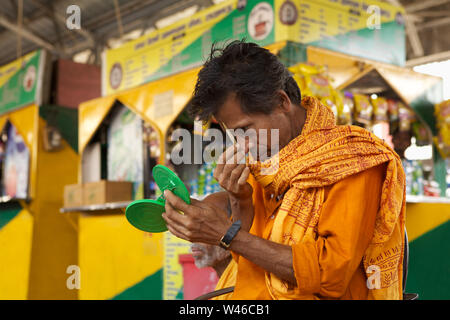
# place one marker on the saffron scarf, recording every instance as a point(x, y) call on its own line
point(322, 155)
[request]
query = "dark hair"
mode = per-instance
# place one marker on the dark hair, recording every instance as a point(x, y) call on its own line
point(253, 73)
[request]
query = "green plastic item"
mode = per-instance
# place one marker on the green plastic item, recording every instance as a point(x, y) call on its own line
point(146, 214)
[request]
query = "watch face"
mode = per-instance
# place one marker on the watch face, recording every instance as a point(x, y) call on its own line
point(223, 244)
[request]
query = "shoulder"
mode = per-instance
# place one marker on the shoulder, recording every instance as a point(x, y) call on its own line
point(363, 185)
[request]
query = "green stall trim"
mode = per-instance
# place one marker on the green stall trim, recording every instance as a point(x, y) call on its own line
point(63, 118)
point(148, 289)
point(429, 264)
point(8, 211)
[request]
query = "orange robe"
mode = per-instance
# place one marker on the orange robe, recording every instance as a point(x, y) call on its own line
point(332, 268)
point(337, 198)
point(227, 279)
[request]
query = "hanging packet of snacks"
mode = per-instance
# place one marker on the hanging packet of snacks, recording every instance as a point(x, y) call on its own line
point(442, 112)
point(380, 109)
point(313, 81)
point(345, 113)
point(363, 109)
point(300, 72)
point(421, 133)
point(393, 114)
point(406, 117)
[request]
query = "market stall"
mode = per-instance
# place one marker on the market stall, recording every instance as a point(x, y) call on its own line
point(37, 243)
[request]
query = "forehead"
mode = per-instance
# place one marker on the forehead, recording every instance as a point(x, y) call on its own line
point(231, 113)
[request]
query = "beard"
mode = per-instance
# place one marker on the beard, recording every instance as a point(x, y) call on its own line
point(210, 255)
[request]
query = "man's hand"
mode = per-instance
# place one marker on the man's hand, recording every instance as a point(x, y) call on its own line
point(232, 173)
point(200, 221)
point(206, 223)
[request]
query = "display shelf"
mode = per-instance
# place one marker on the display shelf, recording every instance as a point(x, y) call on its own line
point(97, 207)
point(426, 199)
point(7, 199)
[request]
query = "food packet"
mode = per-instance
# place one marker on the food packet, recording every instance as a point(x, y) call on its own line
point(393, 114)
point(345, 117)
point(392, 109)
point(318, 85)
point(380, 109)
point(421, 133)
point(406, 117)
point(363, 109)
point(442, 141)
point(442, 112)
point(312, 80)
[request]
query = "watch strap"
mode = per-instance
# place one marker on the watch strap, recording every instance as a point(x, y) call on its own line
point(231, 233)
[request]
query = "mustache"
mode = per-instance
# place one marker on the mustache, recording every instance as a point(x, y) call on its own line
point(197, 246)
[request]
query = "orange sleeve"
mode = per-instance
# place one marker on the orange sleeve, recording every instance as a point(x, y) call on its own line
point(346, 224)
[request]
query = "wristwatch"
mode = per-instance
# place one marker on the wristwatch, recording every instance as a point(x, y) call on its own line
point(229, 236)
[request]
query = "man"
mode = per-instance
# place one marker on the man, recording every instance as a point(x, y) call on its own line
point(206, 255)
point(328, 222)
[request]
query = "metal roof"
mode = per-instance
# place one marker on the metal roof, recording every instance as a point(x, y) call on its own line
point(44, 25)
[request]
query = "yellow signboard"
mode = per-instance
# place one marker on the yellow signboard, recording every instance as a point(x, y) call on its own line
point(138, 61)
point(173, 271)
point(8, 70)
point(310, 20)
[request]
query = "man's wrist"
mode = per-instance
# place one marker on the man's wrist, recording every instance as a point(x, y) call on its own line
point(240, 199)
point(231, 233)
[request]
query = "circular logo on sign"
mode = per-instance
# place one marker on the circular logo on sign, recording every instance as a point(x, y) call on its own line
point(260, 21)
point(115, 76)
point(29, 79)
point(288, 13)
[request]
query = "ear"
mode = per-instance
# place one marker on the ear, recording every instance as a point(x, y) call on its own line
point(285, 103)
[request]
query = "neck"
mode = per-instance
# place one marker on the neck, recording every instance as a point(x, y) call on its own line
point(221, 266)
point(298, 120)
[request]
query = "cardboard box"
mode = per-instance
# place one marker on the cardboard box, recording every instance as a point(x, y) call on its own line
point(73, 195)
point(106, 191)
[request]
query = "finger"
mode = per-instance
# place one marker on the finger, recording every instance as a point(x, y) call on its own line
point(177, 203)
point(244, 176)
point(223, 165)
point(176, 233)
point(173, 215)
point(236, 174)
point(228, 155)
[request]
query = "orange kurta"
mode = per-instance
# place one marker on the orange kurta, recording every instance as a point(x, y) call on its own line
point(333, 266)
point(336, 195)
point(227, 279)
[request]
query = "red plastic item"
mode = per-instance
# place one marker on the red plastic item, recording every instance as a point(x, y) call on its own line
point(196, 281)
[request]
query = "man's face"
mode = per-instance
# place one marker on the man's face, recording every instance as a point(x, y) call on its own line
point(206, 255)
point(233, 117)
